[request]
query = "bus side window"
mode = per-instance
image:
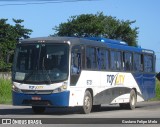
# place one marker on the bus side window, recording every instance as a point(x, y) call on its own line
point(76, 60)
point(91, 58)
point(116, 61)
point(127, 61)
point(112, 57)
point(103, 63)
point(119, 61)
point(137, 62)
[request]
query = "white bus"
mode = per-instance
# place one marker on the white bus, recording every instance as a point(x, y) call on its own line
point(83, 72)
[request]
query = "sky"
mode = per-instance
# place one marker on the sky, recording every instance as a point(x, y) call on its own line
point(41, 18)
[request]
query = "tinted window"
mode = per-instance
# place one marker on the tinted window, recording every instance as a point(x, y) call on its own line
point(76, 60)
point(103, 59)
point(127, 61)
point(115, 60)
point(91, 58)
point(148, 63)
point(137, 62)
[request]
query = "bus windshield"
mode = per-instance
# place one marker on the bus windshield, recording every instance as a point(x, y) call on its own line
point(41, 63)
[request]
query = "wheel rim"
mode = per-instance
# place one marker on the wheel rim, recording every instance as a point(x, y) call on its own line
point(87, 103)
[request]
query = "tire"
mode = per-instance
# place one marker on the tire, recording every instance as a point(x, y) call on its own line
point(132, 101)
point(87, 103)
point(38, 110)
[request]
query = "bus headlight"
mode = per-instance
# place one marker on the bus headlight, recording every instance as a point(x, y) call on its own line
point(15, 89)
point(60, 89)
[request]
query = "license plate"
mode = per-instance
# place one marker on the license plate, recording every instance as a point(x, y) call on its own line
point(37, 98)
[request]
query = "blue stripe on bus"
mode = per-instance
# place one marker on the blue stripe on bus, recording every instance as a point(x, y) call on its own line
point(146, 83)
point(56, 99)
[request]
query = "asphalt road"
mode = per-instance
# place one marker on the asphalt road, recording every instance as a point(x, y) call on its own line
point(143, 110)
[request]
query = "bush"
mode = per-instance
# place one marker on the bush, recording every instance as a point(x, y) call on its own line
point(158, 90)
point(5, 91)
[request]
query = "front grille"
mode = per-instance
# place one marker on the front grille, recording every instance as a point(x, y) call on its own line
point(37, 91)
point(37, 102)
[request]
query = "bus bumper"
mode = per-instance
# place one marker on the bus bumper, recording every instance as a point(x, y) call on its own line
point(54, 100)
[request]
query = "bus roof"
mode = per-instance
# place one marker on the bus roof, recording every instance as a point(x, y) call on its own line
point(92, 41)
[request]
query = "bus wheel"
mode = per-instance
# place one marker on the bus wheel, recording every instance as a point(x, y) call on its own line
point(38, 110)
point(132, 101)
point(87, 103)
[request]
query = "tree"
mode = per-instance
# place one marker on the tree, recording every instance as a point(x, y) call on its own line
point(99, 25)
point(9, 36)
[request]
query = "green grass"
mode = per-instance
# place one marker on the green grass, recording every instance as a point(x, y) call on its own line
point(5, 91)
point(157, 90)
